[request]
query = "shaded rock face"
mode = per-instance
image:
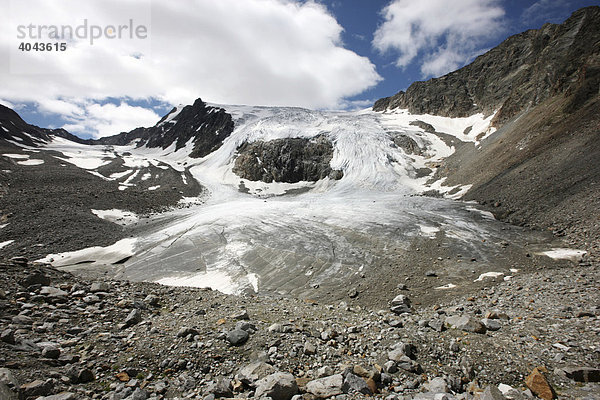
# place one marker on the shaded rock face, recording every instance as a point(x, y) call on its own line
point(14, 128)
point(207, 126)
point(286, 160)
point(521, 72)
point(406, 143)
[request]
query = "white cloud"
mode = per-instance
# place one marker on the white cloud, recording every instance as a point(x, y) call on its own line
point(55, 106)
point(101, 120)
point(269, 52)
point(546, 11)
point(444, 35)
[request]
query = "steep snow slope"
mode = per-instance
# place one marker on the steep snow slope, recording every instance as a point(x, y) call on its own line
point(296, 237)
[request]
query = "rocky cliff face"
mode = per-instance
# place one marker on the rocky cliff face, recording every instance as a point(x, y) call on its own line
point(286, 160)
point(523, 71)
point(207, 126)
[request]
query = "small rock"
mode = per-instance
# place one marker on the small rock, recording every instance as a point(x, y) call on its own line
point(7, 377)
point(309, 349)
point(123, 376)
point(436, 385)
point(134, 317)
point(8, 336)
point(402, 349)
point(437, 325)
point(492, 393)
point(324, 371)
point(152, 300)
point(466, 323)
point(243, 314)
point(51, 352)
point(19, 261)
point(221, 388)
point(355, 384)
point(431, 274)
point(37, 388)
point(51, 291)
point(491, 324)
point(390, 367)
point(277, 386)
point(254, 372)
point(279, 328)
point(99, 287)
point(409, 365)
point(353, 293)
point(401, 300)
point(186, 330)
point(237, 337)
point(246, 326)
point(496, 315)
point(538, 384)
point(326, 387)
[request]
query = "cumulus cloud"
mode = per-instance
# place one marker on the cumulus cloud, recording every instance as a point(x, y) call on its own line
point(268, 52)
point(109, 119)
point(442, 35)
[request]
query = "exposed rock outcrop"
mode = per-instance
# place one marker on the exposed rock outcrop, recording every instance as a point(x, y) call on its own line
point(286, 160)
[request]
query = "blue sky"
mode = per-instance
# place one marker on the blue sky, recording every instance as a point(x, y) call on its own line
point(329, 54)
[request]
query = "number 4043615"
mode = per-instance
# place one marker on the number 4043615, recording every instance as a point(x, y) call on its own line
point(40, 46)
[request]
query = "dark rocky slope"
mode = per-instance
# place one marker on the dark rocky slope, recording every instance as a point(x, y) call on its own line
point(522, 72)
point(286, 160)
point(541, 167)
point(47, 208)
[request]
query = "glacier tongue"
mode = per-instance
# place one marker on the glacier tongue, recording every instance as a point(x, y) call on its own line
point(321, 233)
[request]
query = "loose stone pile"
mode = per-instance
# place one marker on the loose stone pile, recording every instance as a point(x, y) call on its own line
point(63, 337)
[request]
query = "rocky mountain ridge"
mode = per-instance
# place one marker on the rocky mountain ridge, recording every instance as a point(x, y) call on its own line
point(520, 73)
point(207, 126)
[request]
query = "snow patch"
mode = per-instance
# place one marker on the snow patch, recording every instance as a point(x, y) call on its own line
point(17, 156)
point(8, 242)
point(563, 254)
point(492, 275)
point(93, 255)
point(445, 287)
point(216, 280)
point(117, 216)
point(31, 162)
point(119, 175)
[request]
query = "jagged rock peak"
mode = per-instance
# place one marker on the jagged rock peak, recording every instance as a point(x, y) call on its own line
point(523, 71)
point(206, 126)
